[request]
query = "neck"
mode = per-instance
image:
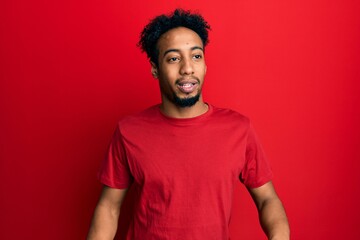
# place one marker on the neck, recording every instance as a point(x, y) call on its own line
point(170, 109)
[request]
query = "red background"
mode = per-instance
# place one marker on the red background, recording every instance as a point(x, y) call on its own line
point(70, 69)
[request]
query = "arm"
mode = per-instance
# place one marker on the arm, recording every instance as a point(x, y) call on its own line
point(106, 215)
point(271, 212)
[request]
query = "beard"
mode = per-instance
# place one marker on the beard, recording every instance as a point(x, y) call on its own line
point(186, 102)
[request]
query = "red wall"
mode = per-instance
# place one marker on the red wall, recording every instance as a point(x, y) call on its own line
point(70, 69)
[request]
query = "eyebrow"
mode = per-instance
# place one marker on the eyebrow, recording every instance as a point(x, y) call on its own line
point(177, 50)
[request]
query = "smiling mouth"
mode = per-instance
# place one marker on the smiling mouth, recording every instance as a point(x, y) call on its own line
point(187, 87)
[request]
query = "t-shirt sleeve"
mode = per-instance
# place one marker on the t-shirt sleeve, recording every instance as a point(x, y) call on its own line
point(257, 170)
point(114, 171)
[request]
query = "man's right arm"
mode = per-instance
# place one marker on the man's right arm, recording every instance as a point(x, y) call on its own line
point(106, 214)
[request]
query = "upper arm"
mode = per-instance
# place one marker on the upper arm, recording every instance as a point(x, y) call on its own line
point(112, 197)
point(263, 194)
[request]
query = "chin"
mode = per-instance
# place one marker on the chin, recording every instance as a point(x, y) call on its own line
point(188, 101)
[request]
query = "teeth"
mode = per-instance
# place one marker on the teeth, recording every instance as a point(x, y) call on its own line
point(187, 84)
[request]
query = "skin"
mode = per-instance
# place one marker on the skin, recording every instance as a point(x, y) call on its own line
point(181, 59)
point(271, 212)
point(106, 215)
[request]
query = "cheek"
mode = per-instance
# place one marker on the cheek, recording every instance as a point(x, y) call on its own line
point(203, 71)
point(201, 68)
point(170, 75)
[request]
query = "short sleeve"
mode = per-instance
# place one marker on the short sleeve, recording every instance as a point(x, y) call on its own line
point(114, 171)
point(257, 170)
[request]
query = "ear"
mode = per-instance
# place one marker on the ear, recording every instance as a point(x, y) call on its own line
point(154, 69)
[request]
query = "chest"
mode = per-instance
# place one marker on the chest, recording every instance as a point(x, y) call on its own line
point(180, 157)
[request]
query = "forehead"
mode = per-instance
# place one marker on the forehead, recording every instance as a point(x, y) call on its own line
point(179, 38)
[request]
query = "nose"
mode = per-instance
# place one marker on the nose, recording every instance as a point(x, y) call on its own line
point(187, 67)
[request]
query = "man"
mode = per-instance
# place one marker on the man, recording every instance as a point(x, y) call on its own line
point(183, 157)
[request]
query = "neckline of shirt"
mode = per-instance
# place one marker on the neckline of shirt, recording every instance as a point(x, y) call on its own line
point(186, 121)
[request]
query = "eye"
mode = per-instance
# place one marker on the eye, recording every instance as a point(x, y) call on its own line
point(173, 59)
point(197, 56)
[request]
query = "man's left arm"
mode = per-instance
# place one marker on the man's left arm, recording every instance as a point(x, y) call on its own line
point(271, 212)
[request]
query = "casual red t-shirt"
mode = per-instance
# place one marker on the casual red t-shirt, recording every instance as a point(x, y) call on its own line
point(184, 171)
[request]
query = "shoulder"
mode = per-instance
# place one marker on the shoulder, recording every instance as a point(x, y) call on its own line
point(229, 115)
point(138, 119)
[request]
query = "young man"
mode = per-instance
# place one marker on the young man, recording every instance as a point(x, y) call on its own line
point(183, 157)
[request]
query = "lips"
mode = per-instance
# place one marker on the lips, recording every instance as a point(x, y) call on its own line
point(187, 86)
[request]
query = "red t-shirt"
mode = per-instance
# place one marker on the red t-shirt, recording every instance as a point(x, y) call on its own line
point(184, 171)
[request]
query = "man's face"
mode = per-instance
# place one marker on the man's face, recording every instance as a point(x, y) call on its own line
point(181, 66)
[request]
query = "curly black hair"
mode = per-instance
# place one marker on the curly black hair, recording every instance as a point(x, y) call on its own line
point(163, 23)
